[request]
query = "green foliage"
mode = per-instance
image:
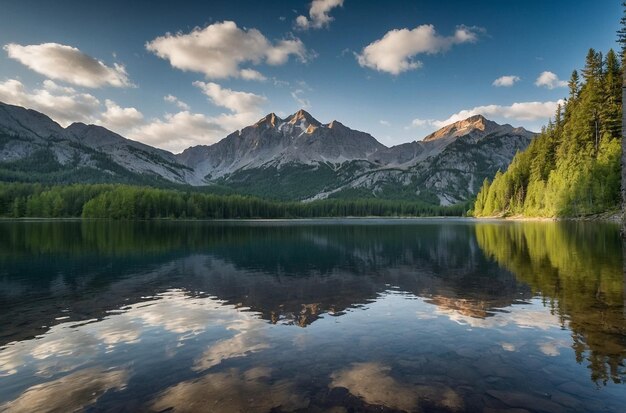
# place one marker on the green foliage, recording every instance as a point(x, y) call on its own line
point(113, 201)
point(573, 167)
point(290, 182)
point(621, 33)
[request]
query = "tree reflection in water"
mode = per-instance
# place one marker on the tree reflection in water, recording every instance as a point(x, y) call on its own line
point(577, 269)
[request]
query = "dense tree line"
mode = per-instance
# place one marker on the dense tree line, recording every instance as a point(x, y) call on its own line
point(573, 167)
point(134, 202)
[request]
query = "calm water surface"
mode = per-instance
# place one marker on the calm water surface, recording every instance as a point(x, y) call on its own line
point(320, 316)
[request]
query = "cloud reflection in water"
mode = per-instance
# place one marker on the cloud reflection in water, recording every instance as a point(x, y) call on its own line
point(69, 393)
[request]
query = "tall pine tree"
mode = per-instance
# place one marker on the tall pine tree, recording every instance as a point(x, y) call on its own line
point(621, 38)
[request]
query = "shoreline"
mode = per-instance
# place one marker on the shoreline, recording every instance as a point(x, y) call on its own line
point(614, 217)
point(322, 218)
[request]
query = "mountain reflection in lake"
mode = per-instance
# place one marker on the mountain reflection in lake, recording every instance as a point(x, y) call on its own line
point(338, 316)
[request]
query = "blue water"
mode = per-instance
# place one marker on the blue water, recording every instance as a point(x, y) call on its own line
point(337, 316)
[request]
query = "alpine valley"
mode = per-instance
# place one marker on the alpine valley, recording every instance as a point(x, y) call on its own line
point(296, 158)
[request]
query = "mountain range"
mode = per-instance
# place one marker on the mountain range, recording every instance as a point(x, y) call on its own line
point(296, 158)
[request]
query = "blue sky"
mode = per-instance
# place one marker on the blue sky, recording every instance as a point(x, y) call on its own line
point(396, 69)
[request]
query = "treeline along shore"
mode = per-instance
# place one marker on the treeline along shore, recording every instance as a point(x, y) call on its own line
point(19, 200)
point(573, 167)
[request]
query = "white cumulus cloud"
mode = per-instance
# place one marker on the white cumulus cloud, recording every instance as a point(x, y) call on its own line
point(178, 131)
point(68, 64)
point(63, 104)
point(119, 119)
point(238, 102)
point(245, 107)
point(219, 50)
point(395, 52)
point(506, 81)
point(318, 14)
point(549, 80)
point(173, 131)
point(251, 74)
point(520, 111)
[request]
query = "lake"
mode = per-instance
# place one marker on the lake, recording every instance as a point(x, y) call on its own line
point(321, 316)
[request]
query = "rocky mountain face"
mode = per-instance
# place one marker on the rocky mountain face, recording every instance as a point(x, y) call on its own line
point(296, 158)
point(300, 158)
point(275, 142)
point(34, 146)
point(449, 165)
